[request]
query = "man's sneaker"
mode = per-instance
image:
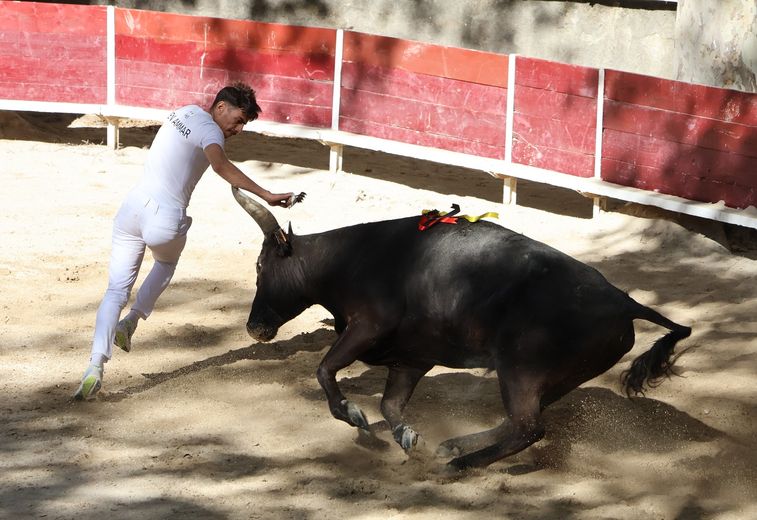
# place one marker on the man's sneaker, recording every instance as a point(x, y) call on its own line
point(90, 384)
point(124, 331)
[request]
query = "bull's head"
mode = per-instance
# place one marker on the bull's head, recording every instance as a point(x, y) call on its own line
point(276, 300)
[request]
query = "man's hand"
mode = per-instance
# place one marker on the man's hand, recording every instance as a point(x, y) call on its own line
point(285, 200)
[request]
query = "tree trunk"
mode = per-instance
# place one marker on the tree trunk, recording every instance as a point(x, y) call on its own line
point(716, 43)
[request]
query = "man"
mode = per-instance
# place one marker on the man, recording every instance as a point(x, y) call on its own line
point(154, 215)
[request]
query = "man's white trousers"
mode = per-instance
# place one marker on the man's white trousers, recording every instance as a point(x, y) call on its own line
point(140, 222)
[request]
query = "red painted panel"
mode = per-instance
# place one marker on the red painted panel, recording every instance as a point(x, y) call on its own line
point(556, 105)
point(558, 77)
point(219, 32)
point(681, 128)
point(69, 72)
point(53, 52)
point(423, 117)
point(421, 138)
point(296, 114)
point(559, 135)
point(163, 98)
point(53, 18)
point(140, 74)
point(249, 60)
point(435, 60)
point(52, 93)
point(168, 98)
point(687, 186)
point(685, 98)
point(554, 125)
point(210, 80)
point(542, 156)
point(680, 160)
point(53, 48)
point(423, 88)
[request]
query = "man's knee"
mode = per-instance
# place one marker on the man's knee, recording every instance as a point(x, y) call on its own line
point(117, 296)
point(167, 267)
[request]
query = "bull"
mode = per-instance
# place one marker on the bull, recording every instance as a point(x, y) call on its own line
point(461, 296)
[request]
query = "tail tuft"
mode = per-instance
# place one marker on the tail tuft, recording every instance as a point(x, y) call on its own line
point(655, 365)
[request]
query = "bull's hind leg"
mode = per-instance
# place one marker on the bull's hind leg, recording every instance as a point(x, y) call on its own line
point(474, 441)
point(523, 426)
point(400, 385)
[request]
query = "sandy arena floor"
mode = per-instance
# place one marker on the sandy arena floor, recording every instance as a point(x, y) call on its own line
point(200, 421)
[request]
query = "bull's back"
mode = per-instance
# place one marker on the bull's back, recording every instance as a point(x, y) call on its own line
point(462, 263)
point(458, 285)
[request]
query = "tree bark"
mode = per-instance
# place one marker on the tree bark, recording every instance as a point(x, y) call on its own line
point(716, 43)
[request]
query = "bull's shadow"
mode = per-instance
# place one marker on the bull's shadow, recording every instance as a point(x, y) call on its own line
point(459, 403)
point(451, 404)
point(306, 342)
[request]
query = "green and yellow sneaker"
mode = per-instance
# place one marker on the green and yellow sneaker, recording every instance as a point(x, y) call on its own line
point(90, 384)
point(124, 331)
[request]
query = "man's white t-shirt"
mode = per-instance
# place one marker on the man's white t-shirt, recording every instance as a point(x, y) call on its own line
point(176, 160)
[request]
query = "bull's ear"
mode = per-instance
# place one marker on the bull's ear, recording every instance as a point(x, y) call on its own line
point(290, 234)
point(283, 245)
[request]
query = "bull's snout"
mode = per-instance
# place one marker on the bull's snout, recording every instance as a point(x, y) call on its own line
point(261, 332)
point(263, 322)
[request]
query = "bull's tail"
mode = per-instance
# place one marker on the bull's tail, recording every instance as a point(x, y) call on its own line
point(656, 364)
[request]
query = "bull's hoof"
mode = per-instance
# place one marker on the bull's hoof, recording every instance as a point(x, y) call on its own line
point(405, 437)
point(461, 463)
point(448, 449)
point(356, 415)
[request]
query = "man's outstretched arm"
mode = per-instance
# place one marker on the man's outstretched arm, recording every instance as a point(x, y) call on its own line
point(234, 176)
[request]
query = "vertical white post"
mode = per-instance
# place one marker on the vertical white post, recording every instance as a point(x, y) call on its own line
point(335, 158)
point(509, 192)
point(510, 112)
point(112, 134)
point(335, 154)
point(599, 203)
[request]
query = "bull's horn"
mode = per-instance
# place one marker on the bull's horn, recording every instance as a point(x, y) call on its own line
point(257, 211)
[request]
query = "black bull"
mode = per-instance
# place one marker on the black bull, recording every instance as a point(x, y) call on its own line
point(462, 296)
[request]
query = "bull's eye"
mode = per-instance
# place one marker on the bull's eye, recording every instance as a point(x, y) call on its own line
point(257, 267)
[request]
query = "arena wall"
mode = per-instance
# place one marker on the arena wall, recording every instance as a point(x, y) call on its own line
point(680, 146)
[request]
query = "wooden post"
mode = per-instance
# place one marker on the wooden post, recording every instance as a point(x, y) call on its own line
point(600, 205)
point(112, 133)
point(510, 190)
point(335, 158)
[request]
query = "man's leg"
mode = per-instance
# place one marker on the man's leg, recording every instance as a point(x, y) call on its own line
point(126, 257)
point(166, 250)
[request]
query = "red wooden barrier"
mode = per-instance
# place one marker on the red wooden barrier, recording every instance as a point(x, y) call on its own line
point(696, 142)
point(429, 95)
point(52, 52)
point(166, 60)
point(554, 123)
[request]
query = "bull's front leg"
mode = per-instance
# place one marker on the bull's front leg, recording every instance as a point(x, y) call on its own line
point(356, 338)
point(400, 385)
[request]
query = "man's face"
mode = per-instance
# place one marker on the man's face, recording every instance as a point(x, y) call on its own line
point(230, 118)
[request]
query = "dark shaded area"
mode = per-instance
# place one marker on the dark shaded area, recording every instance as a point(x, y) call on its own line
point(650, 5)
point(591, 416)
point(51, 127)
point(415, 173)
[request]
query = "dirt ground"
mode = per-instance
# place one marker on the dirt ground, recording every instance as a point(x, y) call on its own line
point(200, 421)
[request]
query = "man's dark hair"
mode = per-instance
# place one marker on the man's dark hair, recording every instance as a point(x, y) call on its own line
point(241, 96)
